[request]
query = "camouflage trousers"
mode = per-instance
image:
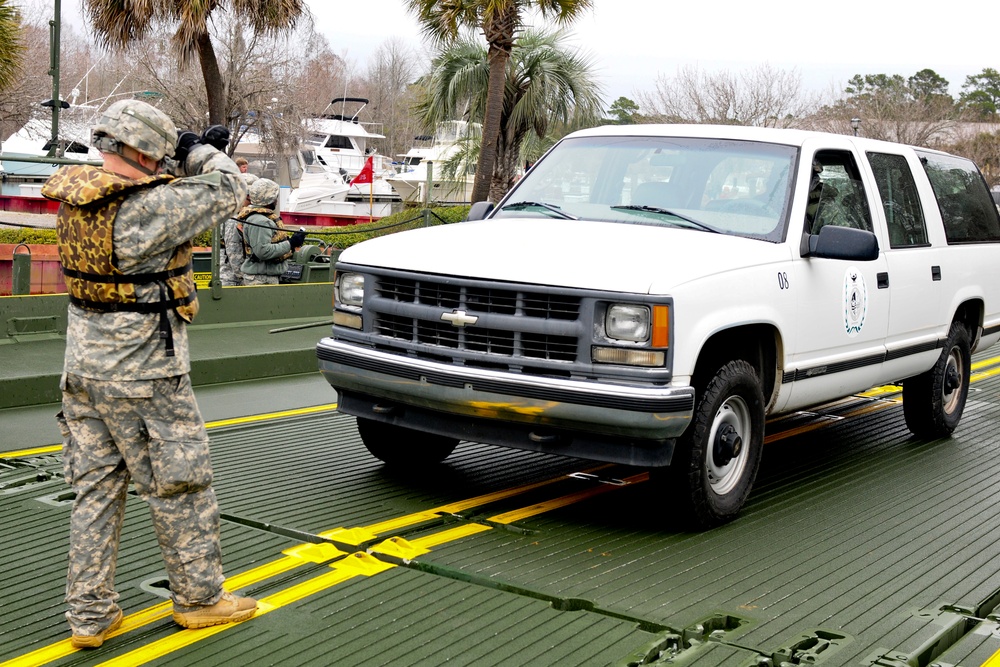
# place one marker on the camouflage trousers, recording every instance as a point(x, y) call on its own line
point(149, 432)
point(228, 276)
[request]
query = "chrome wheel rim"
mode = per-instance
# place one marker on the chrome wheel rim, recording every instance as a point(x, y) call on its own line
point(951, 386)
point(733, 417)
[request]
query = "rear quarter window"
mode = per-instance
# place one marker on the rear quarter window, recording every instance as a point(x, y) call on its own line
point(967, 209)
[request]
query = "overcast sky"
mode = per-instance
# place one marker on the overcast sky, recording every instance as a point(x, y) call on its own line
point(827, 42)
point(633, 41)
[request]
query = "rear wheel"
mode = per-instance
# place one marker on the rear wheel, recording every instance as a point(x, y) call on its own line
point(933, 402)
point(716, 460)
point(397, 445)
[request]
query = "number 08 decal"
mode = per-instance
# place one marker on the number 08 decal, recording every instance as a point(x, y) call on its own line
point(782, 280)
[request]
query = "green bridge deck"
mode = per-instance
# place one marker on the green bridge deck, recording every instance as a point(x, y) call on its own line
point(860, 545)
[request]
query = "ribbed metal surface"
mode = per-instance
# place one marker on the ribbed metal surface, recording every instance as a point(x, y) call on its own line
point(408, 618)
point(313, 474)
point(853, 528)
point(35, 540)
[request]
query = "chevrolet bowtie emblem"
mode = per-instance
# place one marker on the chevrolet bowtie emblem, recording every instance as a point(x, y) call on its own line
point(459, 318)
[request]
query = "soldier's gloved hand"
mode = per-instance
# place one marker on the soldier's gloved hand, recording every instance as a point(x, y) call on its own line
point(185, 142)
point(216, 136)
point(297, 239)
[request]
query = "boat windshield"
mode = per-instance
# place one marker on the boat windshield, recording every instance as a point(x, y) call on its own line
point(733, 187)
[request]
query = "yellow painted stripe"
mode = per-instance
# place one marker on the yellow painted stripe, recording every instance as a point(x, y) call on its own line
point(871, 393)
point(976, 377)
point(886, 402)
point(555, 503)
point(63, 648)
point(51, 449)
point(884, 390)
point(343, 570)
point(393, 525)
point(865, 409)
point(179, 640)
point(993, 660)
point(268, 570)
point(48, 654)
point(251, 419)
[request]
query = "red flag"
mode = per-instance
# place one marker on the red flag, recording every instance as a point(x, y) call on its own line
point(367, 174)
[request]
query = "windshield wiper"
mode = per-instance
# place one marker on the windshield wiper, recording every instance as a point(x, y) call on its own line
point(667, 211)
point(552, 208)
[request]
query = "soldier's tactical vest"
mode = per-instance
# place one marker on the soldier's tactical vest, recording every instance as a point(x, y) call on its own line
point(90, 200)
point(278, 236)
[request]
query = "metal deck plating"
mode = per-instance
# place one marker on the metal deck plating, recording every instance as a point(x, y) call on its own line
point(860, 545)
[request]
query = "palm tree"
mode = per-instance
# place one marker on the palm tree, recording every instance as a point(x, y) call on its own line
point(545, 83)
point(499, 21)
point(118, 24)
point(11, 47)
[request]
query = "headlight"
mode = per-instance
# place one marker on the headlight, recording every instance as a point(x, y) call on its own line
point(627, 322)
point(351, 289)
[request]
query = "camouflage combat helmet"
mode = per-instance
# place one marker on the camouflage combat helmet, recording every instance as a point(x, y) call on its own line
point(136, 124)
point(250, 179)
point(263, 192)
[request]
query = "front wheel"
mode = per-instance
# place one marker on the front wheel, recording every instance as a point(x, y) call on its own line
point(397, 445)
point(716, 460)
point(933, 402)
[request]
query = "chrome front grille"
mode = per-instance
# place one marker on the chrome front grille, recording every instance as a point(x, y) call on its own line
point(514, 322)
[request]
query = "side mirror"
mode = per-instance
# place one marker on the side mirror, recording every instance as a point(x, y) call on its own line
point(480, 210)
point(835, 242)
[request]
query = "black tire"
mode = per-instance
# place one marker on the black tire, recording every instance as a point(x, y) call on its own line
point(716, 460)
point(933, 402)
point(397, 445)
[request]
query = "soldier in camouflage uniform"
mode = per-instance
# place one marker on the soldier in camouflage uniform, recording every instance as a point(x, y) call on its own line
point(231, 261)
point(128, 412)
point(267, 245)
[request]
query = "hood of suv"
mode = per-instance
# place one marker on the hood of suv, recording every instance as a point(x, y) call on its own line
point(637, 259)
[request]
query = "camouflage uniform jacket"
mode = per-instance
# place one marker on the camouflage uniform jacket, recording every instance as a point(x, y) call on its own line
point(150, 225)
point(266, 240)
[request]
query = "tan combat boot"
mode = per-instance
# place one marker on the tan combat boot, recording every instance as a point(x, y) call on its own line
point(229, 609)
point(95, 641)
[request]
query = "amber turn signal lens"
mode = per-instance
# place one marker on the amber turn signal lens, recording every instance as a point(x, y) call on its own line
point(661, 326)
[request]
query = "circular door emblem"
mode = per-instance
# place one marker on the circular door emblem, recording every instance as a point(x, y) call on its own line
point(855, 302)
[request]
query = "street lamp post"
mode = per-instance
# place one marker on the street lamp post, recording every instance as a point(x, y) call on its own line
point(855, 124)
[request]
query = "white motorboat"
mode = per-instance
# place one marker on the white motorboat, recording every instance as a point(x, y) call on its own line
point(320, 189)
point(436, 150)
point(341, 142)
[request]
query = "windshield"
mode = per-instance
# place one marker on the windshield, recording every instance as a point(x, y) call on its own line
point(733, 187)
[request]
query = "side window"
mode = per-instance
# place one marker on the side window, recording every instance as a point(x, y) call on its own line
point(836, 194)
point(967, 209)
point(900, 200)
point(339, 142)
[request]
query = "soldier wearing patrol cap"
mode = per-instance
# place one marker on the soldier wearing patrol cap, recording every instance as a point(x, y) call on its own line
point(267, 246)
point(128, 411)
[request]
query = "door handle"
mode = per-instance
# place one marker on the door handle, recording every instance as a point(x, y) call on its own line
point(882, 278)
point(935, 273)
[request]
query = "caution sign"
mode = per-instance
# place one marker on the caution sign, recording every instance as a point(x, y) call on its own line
point(201, 280)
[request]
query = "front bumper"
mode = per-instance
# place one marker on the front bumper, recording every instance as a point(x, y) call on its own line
point(653, 413)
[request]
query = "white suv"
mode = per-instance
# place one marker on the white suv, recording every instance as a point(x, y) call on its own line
point(649, 294)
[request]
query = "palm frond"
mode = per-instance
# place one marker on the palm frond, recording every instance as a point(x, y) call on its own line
point(11, 44)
